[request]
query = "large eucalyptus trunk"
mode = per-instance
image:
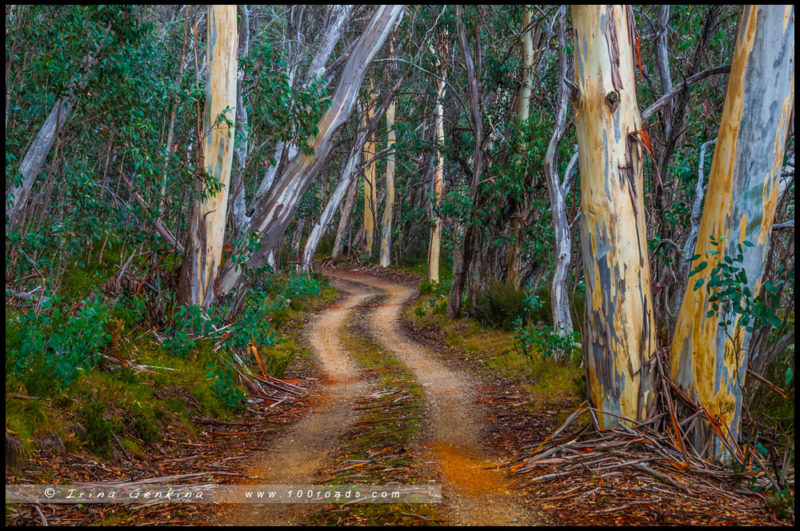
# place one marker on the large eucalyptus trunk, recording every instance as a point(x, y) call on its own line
point(386, 222)
point(435, 245)
point(708, 358)
point(203, 248)
point(619, 338)
point(274, 211)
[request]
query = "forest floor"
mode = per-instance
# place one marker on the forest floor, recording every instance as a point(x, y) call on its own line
point(392, 400)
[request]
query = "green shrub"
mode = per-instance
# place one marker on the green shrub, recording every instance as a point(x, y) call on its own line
point(500, 305)
point(53, 350)
point(144, 422)
point(99, 430)
point(224, 386)
point(300, 286)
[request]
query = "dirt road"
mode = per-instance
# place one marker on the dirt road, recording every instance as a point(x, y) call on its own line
point(474, 491)
point(298, 454)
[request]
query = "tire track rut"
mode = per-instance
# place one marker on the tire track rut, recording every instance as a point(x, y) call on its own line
point(297, 455)
point(475, 492)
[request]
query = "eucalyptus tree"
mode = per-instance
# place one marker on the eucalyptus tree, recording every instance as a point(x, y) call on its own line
point(708, 354)
point(386, 221)
point(203, 248)
point(273, 212)
point(619, 337)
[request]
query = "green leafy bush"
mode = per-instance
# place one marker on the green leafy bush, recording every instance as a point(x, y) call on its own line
point(500, 305)
point(224, 386)
point(99, 430)
point(53, 350)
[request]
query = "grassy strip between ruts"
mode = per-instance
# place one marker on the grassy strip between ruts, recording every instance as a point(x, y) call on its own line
point(379, 447)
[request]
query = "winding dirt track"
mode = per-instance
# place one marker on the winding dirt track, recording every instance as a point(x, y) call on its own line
point(298, 454)
point(474, 492)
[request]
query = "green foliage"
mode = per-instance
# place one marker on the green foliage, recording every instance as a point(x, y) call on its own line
point(224, 386)
point(99, 430)
point(300, 286)
point(531, 338)
point(55, 348)
point(730, 296)
point(500, 305)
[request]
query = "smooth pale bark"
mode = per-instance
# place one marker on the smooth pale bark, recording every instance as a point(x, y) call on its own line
point(344, 220)
point(562, 320)
point(434, 247)
point(274, 211)
point(463, 255)
point(34, 159)
point(386, 223)
point(36, 155)
point(619, 337)
point(708, 361)
point(370, 192)
point(346, 183)
point(241, 221)
point(203, 248)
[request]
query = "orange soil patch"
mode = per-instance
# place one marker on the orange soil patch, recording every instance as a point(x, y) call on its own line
point(470, 475)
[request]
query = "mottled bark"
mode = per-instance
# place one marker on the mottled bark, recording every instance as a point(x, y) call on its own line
point(203, 248)
point(274, 211)
point(619, 341)
point(708, 360)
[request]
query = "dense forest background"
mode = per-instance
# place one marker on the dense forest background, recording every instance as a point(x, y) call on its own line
point(163, 179)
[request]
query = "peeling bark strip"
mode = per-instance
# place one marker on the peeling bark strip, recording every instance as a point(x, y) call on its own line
point(203, 249)
point(273, 212)
point(740, 205)
point(619, 337)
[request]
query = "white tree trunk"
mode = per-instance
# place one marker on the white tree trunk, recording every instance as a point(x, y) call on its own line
point(203, 249)
point(273, 212)
point(386, 222)
point(348, 178)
